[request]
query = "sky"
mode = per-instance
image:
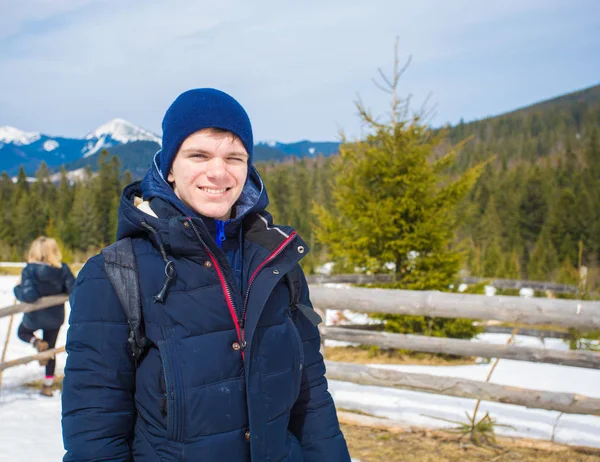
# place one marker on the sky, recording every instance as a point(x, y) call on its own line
point(68, 66)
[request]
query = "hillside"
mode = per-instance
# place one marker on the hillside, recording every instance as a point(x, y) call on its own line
point(531, 133)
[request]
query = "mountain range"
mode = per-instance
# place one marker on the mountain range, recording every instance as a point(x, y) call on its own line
point(135, 147)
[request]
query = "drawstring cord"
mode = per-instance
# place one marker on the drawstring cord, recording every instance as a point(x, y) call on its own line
point(169, 266)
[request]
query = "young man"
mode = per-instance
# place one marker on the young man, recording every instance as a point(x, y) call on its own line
point(232, 372)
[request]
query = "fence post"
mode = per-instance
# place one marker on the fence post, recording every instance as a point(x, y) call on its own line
point(10, 323)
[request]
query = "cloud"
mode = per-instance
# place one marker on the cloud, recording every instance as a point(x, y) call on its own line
point(69, 65)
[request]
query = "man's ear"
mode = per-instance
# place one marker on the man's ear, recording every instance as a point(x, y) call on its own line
point(170, 177)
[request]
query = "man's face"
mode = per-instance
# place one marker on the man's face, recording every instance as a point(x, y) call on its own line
point(209, 172)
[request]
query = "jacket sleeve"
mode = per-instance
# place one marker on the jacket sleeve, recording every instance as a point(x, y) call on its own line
point(313, 418)
point(97, 400)
point(68, 278)
point(27, 291)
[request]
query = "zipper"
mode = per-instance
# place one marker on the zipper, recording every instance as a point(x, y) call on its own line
point(237, 320)
point(220, 232)
point(270, 258)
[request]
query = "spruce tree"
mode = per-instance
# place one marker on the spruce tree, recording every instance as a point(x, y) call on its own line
point(544, 258)
point(394, 201)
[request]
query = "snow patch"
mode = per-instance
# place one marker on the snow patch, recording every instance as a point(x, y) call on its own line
point(490, 291)
point(325, 269)
point(19, 137)
point(270, 143)
point(73, 176)
point(50, 145)
point(93, 147)
point(29, 179)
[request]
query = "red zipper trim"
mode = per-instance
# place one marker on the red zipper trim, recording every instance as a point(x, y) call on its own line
point(225, 292)
point(262, 265)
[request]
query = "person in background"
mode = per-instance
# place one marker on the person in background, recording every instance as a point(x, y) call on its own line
point(232, 370)
point(44, 275)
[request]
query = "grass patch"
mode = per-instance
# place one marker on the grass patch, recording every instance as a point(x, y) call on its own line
point(356, 411)
point(37, 384)
point(375, 355)
point(369, 444)
point(16, 270)
point(10, 271)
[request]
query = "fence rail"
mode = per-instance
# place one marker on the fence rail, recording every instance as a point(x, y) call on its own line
point(557, 312)
point(40, 304)
point(570, 403)
point(27, 359)
point(498, 283)
point(553, 312)
point(459, 347)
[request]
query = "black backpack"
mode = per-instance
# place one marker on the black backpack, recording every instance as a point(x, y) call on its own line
point(121, 267)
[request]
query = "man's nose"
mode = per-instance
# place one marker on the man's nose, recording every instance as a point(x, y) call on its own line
point(216, 168)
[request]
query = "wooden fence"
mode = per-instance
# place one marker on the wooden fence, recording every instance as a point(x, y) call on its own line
point(497, 283)
point(40, 304)
point(564, 313)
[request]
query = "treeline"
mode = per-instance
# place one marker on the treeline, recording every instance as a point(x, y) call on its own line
point(532, 214)
point(81, 215)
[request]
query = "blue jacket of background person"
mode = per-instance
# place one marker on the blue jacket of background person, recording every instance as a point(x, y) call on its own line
point(41, 280)
point(196, 395)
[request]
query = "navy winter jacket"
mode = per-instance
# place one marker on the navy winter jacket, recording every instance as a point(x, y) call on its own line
point(232, 374)
point(40, 280)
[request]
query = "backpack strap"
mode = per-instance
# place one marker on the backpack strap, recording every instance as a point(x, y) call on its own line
point(121, 267)
point(295, 287)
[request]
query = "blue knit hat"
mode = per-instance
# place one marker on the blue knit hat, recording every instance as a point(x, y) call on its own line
point(197, 109)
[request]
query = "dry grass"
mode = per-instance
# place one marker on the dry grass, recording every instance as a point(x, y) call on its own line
point(369, 444)
point(374, 355)
point(10, 271)
point(37, 384)
point(16, 271)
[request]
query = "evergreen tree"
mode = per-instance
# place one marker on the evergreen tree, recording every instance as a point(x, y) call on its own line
point(85, 218)
point(106, 189)
point(493, 259)
point(22, 185)
point(533, 208)
point(564, 227)
point(127, 179)
point(511, 268)
point(544, 259)
point(394, 202)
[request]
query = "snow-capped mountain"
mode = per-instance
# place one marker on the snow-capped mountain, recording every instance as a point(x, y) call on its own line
point(135, 147)
point(115, 132)
point(29, 149)
point(17, 137)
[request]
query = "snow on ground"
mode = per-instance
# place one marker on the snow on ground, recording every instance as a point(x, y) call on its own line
point(416, 408)
point(24, 413)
